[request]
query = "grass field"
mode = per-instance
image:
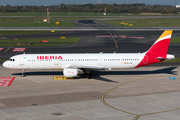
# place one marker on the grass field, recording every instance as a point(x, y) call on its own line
point(33, 23)
point(146, 22)
point(175, 40)
point(37, 18)
point(77, 18)
point(36, 42)
point(33, 19)
point(55, 14)
point(175, 60)
point(23, 32)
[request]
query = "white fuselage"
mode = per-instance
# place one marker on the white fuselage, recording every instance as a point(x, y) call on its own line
point(62, 61)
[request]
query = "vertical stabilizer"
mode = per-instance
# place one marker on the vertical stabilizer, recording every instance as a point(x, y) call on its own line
point(162, 43)
point(158, 51)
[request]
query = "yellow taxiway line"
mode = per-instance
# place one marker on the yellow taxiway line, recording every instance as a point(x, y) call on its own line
point(137, 115)
point(113, 38)
point(7, 49)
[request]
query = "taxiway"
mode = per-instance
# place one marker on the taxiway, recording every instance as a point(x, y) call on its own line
point(146, 93)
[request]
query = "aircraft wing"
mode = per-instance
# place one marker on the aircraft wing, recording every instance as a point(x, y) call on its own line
point(88, 67)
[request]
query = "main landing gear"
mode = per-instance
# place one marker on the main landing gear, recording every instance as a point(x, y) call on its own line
point(22, 75)
point(88, 74)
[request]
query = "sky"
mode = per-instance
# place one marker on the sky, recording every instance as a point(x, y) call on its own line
point(57, 2)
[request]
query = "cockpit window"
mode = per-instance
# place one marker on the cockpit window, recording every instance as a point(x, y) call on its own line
point(11, 60)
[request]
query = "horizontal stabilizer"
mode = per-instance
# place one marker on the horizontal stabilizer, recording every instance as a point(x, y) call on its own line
point(160, 58)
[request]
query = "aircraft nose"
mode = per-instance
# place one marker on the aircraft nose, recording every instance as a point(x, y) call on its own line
point(5, 64)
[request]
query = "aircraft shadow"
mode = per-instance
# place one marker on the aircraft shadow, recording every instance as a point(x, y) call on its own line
point(97, 74)
point(168, 70)
point(96, 77)
point(43, 73)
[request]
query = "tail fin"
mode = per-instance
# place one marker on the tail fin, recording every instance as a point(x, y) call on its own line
point(158, 51)
point(162, 43)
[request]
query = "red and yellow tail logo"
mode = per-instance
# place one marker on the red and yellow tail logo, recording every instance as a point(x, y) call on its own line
point(158, 51)
point(162, 43)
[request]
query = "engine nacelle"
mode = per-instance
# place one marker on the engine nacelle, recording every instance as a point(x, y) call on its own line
point(72, 72)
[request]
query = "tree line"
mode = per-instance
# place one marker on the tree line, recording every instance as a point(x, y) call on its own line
point(110, 8)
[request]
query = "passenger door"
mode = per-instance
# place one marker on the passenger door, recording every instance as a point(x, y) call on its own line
point(21, 60)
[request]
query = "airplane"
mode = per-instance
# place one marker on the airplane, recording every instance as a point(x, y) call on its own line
point(76, 64)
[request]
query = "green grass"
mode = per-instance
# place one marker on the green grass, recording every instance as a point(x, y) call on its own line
point(56, 14)
point(33, 19)
point(175, 60)
point(51, 42)
point(77, 18)
point(40, 14)
point(23, 32)
point(147, 22)
point(34, 23)
point(175, 40)
point(3, 60)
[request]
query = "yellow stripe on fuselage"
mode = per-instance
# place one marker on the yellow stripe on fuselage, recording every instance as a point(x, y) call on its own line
point(165, 33)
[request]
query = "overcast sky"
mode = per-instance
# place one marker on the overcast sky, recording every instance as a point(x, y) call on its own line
point(57, 2)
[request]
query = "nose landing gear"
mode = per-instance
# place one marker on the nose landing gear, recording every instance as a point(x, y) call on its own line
point(23, 71)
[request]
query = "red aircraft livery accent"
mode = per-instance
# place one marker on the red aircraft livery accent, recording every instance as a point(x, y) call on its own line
point(6, 81)
point(158, 50)
point(1, 49)
point(48, 57)
point(70, 72)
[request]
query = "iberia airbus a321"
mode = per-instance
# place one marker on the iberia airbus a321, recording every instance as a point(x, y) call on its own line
point(75, 64)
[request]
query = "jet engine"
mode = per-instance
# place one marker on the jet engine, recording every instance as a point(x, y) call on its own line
point(72, 72)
